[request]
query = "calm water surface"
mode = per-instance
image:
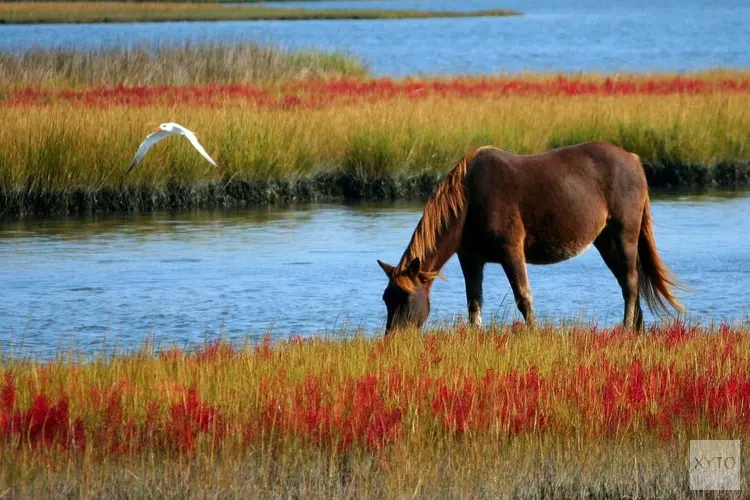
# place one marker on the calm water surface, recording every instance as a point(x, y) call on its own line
point(575, 35)
point(187, 277)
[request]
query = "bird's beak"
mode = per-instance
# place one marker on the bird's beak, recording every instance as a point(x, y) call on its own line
point(157, 129)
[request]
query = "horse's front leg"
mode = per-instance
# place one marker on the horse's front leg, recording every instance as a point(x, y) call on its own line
point(514, 264)
point(473, 270)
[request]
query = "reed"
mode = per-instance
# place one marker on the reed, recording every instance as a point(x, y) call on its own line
point(61, 150)
point(124, 12)
point(453, 412)
point(185, 64)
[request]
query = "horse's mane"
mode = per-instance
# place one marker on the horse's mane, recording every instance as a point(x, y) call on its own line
point(446, 202)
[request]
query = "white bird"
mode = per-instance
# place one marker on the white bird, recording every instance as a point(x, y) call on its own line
point(162, 131)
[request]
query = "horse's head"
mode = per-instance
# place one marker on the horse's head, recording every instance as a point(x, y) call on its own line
point(407, 296)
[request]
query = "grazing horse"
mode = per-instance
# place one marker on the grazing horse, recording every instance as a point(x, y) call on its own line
point(499, 207)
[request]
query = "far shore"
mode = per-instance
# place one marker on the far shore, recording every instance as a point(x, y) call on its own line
point(132, 12)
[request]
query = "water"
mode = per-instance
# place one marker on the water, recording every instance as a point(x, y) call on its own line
point(182, 278)
point(576, 35)
point(187, 277)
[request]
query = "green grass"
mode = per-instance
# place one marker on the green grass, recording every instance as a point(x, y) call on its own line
point(122, 12)
point(671, 154)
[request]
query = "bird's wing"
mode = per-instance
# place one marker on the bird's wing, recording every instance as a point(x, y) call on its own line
point(149, 141)
point(197, 145)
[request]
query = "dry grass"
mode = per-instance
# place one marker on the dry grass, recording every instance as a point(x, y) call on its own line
point(221, 63)
point(186, 64)
point(103, 12)
point(505, 412)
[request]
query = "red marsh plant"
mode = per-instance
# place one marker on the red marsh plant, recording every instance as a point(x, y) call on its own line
point(676, 380)
point(318, 94)
point(380, 414)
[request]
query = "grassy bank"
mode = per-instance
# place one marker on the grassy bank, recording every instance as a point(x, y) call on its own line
point(204, 63)
point(124, 12)
point(242, 63)
point(504, 412)
point(68, 152)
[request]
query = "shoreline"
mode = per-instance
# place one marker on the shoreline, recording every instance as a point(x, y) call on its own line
point(19, 13)
point(323, 187)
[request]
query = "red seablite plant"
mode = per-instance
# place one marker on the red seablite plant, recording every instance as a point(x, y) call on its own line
point(215, 351)
point(674, 381)
point(323, 93)
point(40, 425)
point(506, 403)
point(192, 417)
point(354, 413)
point(264, 350)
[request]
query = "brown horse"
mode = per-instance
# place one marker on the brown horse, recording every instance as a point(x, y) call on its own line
point(510, 209)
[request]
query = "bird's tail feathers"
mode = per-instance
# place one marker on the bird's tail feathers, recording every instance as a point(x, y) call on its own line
point(131, 166)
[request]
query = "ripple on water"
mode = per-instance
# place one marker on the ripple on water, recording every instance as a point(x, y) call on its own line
point(214, 289)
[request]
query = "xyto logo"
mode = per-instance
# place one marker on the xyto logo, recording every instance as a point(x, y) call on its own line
point(715, 465)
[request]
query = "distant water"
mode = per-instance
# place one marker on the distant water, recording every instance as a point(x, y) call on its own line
point(575, 35)
point(182, 278)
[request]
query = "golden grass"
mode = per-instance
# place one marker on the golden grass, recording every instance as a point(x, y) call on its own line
point(597, 423)
point(102, 12)
point(62, 146)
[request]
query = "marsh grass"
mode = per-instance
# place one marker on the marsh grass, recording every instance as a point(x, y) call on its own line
point(565, 410)
point(201, 63)
point(294, 126)
point(119, 12)
point(520, 470)
point(56, 154)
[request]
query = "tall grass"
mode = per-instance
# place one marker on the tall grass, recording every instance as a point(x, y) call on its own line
point(66, 150)
point(502, 412)
point(184, 64)
point(63, 146)
point(104, 12)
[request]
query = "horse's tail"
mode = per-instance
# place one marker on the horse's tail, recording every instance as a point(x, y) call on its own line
point(655, 281)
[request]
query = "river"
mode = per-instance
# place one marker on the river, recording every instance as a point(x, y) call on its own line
point(575, 35)
point(186, 277)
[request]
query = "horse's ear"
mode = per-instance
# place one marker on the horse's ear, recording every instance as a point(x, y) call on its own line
point(386, 267)
point(414, 267)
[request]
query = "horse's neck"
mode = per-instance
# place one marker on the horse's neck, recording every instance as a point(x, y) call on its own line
point(434, 257)
point(435, 260)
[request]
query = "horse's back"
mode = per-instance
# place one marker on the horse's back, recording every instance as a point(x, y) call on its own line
point(557, 202)
point(613, 173)
point(587, 170)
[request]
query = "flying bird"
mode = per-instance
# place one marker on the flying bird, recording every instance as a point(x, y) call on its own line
point(162, 131)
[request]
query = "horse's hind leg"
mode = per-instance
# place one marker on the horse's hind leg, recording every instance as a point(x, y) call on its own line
point(638, 315)
point(473, 270)
point(619, 249)
point(514, 264)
